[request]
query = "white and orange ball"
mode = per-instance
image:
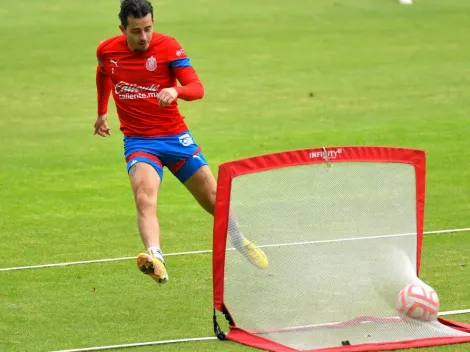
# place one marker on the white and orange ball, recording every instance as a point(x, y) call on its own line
point(418, 301)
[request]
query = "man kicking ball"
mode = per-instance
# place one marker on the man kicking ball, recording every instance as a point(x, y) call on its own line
point(141, 68)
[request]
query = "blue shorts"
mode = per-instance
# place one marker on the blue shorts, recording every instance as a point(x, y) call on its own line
point(179, 153)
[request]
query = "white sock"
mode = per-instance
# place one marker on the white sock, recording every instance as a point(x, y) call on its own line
point(236, 237)
point(156, 252)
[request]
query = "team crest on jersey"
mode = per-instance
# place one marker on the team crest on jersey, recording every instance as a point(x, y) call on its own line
point(151, 64)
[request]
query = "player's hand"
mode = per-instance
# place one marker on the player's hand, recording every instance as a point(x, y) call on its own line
point(101, 126)
point(166, 96)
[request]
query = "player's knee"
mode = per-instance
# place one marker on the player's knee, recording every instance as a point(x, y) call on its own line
point(145, 199)
point(209, 205)
point(212, 196)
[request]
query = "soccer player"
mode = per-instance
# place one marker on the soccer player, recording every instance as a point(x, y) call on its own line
point(141, 68)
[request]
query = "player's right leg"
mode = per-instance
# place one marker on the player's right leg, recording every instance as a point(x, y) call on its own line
point(184, 159)
point(145, 174)
point(199, 180)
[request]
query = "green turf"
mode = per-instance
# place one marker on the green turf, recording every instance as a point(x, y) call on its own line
point(278, 76)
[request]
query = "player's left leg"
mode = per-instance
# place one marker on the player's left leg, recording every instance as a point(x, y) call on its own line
point(145, 172)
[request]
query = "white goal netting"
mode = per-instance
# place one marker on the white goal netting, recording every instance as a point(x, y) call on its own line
point(341, 243)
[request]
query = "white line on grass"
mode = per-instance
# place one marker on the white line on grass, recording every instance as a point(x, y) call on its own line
point(42, 266)
point(139, 344)
point(454, 312)
point(93, 261)
point(335, 240)
point(446, 231)
point(197, 339)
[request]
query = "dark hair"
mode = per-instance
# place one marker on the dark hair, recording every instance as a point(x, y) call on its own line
point(134, 8)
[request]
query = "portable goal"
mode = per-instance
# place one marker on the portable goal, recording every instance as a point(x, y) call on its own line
point(342, 229)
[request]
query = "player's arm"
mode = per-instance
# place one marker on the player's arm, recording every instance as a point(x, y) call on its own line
point(190, 87)
point(103, 90)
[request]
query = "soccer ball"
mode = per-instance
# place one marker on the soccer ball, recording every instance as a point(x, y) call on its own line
point(418, 301)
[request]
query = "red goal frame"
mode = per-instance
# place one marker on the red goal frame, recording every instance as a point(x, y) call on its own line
point(229, 170)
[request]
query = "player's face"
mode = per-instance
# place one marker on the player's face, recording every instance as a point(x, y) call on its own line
point(138, 32)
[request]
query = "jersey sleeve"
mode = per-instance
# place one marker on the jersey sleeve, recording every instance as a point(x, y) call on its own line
point(103, 84)
point(176, 55)
point(191, 87)
point(99, 55)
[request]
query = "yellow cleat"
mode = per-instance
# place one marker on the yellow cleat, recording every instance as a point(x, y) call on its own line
point(152, 267)
point(255, 255)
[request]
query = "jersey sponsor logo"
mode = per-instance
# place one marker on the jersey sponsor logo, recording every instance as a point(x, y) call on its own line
point(180, 52)
point(114, 62)
point(130, 91)
point(151, 64)
point(186, 140)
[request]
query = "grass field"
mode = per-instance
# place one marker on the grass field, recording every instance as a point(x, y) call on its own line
point(278, 75)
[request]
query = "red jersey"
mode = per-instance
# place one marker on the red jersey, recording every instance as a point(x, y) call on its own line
point(135, 78)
